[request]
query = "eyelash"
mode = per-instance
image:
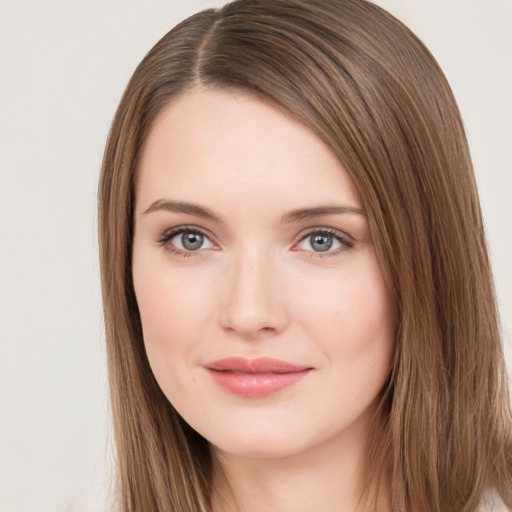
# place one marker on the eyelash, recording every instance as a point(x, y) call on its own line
point(164, 241)
point(345, 243)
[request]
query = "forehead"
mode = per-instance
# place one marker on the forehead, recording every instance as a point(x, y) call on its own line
point(213, 145)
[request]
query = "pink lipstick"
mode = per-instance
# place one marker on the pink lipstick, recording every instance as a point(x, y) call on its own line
point(255, 378)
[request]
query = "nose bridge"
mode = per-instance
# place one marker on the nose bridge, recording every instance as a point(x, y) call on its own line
point(253, 302)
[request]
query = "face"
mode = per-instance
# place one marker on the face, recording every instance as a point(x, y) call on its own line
point(266, 318)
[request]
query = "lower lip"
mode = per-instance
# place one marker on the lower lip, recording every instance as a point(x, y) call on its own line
point(256, 385)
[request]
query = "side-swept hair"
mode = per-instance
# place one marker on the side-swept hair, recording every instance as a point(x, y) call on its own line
point(374, 94)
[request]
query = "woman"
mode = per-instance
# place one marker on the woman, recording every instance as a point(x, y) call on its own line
point(298, 300)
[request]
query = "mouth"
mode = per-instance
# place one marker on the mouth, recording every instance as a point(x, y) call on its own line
point(255, 378)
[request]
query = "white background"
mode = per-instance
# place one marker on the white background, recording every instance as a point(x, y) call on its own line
point(63, 67)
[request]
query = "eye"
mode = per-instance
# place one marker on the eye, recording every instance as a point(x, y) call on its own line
point(324, 241)
point(186, 240)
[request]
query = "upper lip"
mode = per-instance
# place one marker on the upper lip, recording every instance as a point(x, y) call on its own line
point(258, 365)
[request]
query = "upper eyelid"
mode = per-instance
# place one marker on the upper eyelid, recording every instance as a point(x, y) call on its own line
point(171, 232)
point(324, 229)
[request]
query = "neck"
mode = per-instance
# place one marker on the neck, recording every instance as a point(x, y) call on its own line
point(327, 477)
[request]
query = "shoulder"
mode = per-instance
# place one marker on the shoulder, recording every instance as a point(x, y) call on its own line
point(493, 503)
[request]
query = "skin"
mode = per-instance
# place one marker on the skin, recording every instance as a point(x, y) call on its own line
point(258, 287)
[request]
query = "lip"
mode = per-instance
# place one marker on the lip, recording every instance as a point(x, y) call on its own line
point(255, 378)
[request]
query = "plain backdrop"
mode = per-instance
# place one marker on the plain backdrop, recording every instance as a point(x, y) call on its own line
point(63, 67)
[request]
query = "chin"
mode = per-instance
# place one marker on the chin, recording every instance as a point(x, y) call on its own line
point(268, 439)
point(259, 447)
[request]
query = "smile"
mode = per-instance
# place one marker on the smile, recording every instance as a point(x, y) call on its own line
point(255, 378)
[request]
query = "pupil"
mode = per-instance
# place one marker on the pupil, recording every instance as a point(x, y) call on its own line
point(321, 243)
point(192, 241)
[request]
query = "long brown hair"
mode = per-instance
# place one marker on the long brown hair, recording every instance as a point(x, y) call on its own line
point(375, 95)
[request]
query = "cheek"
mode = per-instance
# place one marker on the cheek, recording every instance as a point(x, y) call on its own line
point(357, 333)
point(173, 305)
point(353, 317)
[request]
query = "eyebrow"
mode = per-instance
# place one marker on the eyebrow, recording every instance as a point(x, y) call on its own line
point(288, 218)
point(318, 211)
point(183, 207)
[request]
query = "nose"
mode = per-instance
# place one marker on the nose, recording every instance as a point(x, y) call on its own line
point(254, 303)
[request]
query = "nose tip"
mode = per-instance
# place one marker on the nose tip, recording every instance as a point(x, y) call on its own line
point(254, 303)
point(249, 322)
